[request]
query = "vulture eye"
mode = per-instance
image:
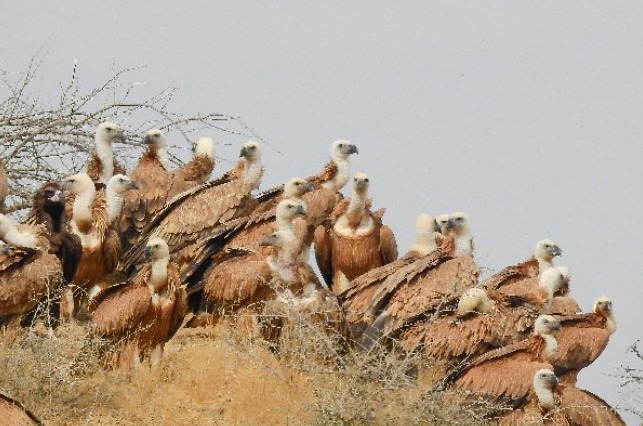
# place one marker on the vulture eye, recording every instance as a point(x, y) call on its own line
point(341, 145)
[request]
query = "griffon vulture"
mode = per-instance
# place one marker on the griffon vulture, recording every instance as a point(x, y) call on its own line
point(458, 227)
point(355, 241)
point(27, 268)
point(582, 339)
point(94, 219)
point(239, 279)
point(193, 215)
point(157, 184)
point(505, 374)
point(102, 165)
point(549, 402)
point(142, 315)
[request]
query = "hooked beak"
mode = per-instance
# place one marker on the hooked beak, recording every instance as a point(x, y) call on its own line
point(120, 136)
point(553, 380)
point(5, 249)
point(270, 240)
point(147, 252)
point(556, 251)
point(133, 185)
point(58, 197)
point(148, 140)
point(243, 152)
point(301, 211)
point(360, 184)
point(451, 224)
point(309, 187)
point(556, 326)
point(352, 149)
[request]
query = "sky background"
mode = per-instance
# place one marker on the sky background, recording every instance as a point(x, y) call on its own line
point(525, 115)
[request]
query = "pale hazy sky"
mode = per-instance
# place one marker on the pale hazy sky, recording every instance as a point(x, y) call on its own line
point(525, 115)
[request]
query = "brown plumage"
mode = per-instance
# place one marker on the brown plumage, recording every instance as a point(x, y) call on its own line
point(27, 268)
point(4, 187)
point(101, 164)
point(504, 375)
point(552, 403)
point(13, 413)
point(193, 215)
point(157, 184)
point(139, 318)
point(337, 172)
point(95, 215)
point(582, 340)
point(354, 241)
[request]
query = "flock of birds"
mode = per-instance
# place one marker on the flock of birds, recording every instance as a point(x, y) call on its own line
point(138, 256)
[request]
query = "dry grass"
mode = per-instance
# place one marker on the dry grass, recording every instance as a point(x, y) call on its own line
point(215, 376)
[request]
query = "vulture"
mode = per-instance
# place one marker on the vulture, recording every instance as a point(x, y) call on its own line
point(514, 279)
point(354, 241)
point(550, 402)
point(388, 298)
point(142, 315)
point(157, 184)
point(4, 187)
point(13, 413)
point(458, 226)
point(504, 374)
point(102, 165)
point(311, 303)
point(28, 270)
point(193, 215)
point(95, 215)
point(240, 279)
point(481, 323)
point(582, 339)
point(555, 281)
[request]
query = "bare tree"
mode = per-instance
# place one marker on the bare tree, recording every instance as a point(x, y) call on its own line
point(40, 143)
point(632, 382)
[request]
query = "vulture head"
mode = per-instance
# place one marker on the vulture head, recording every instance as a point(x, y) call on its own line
point(296, 187)
point(546, 250)
point(49, 195)
point(251, 151)
point(425, 225)
point(119, 184)
point(603, 306)
point(546, 325)
point(342, 149)
point(459, 223)
point(475, 300)
point(544, 383)
point(288, 209)
point(361, 183)
point(553, 281)
point(279, 239)
point(108, 133)
point(442, 222)
point(155, 138)
point(79, 184)
point(157, 249)
point(4, 248)
point(205, 147)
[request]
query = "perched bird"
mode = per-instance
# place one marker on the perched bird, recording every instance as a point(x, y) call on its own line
point(337, 172)
point(550, 402)
point(142, 315)
point(27, 269)
point(355, 240)
point(239, 279)
point(102, 165)
point(158, 184)
point(95, 215)
point(458, 226)
point(193, 215)
point(13, 413)
point(582, 339)
point(505, 374)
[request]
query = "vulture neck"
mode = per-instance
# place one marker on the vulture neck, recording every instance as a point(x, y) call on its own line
point(546, 400)
point(158, 276)
point(463, 244)
point(285, 223)
point(106, 155)
point(424, 244)
point(356, 208)
point(56, 213)
point(114, 204)
point(82, 208)
point(610, 322)
point(551, 345)
point(544, 264)
point(20, 239)
point(343, 173)
point(252, 173)
point(155, 152)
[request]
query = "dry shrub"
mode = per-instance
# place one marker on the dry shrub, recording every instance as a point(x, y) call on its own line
point(217, 376)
